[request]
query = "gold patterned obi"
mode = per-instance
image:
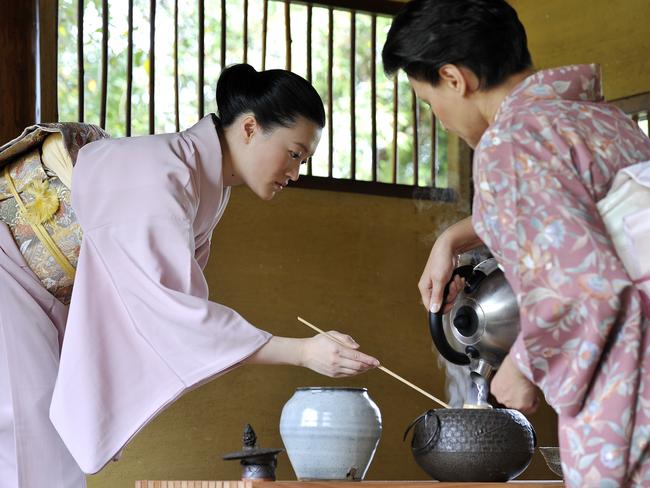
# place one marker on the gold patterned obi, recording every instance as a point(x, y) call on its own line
point(35, 182)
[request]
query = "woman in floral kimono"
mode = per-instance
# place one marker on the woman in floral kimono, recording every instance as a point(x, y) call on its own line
point(140, 329)
point(547, 152)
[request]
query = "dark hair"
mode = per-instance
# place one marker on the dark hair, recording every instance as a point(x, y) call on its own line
point(484, 36)
point(276, 97)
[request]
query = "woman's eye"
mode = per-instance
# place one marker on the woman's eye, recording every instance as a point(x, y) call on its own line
point(294, 155)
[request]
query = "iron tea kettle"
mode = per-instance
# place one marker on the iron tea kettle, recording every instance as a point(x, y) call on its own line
point(476, 443)
point(481, 326)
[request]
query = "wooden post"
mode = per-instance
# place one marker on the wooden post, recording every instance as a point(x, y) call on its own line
point(48, 24)
point(18, 59)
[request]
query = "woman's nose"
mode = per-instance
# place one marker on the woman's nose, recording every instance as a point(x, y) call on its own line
point(294, 172)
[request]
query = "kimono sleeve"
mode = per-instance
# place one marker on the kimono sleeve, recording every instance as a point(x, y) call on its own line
point(141, 332)
point(202, 253)
point(539, 219)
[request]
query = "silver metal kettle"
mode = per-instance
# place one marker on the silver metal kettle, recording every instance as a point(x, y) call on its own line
point(482, 325)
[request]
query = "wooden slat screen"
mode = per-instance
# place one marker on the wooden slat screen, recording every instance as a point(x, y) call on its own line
point(379, 118)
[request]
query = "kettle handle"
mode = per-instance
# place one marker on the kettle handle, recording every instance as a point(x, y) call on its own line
point(435, 323)
point(432, 438)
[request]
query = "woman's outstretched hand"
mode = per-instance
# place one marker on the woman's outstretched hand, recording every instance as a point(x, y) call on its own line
point(319, 353)
point(512, 389)
point(327, 357)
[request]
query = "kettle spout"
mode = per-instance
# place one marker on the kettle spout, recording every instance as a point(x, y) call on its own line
point(478, 388)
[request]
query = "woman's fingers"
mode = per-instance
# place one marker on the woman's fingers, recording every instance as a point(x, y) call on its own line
point(425, 286)
point(355, 359)
point(344, 338)
point(346, 372)
point(435, 276)
point(330, 355)
point(455, 287)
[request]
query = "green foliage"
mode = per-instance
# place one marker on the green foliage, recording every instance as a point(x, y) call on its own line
point(188, 66)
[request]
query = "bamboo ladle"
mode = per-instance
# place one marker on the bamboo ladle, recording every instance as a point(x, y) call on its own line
point(382, 368)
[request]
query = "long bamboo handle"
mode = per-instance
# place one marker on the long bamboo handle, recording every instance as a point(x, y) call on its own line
point(382, 368)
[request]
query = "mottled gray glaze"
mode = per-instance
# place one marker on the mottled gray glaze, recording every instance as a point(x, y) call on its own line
point(473, 444)
point(330, 433)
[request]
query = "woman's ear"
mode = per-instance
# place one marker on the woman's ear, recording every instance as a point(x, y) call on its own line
point(249, 127)
point(460, 80)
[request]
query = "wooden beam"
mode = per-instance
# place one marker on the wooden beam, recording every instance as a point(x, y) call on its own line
point(201, 56)
point(104, 85)
point(395, 127)
point(309, 68)
point(353, 96)
point(434, 148)
point(387, 7)
point(81, 84)
point(375, 188)
point(633, 104)
point(416, 139)
point(287, 35)
point(177, 120)
point(373, 94)
point(48, 23)
point(265, 25)
point(330, 93)
point(224, 29)
point(152, 66)
point(245, 35)
point(129, 70)
point(18, 59)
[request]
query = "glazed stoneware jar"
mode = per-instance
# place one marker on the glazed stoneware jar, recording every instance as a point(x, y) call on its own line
point(330, 433)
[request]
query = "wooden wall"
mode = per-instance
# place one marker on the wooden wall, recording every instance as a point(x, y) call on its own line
point(17, 66)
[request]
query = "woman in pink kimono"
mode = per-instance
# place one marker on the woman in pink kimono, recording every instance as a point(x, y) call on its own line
point(547, 152)
point(140, 329)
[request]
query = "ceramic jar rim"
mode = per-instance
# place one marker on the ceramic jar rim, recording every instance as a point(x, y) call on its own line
point(330, 388)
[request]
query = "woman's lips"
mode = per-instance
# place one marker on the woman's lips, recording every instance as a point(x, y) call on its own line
point(280, 185)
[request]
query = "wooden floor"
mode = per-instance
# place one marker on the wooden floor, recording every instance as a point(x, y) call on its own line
point(339, 484)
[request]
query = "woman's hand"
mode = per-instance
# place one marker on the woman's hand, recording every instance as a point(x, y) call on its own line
point(457, 239)
point(318, 353)
point(512, 389)
point(327, 357)
point(436, 275)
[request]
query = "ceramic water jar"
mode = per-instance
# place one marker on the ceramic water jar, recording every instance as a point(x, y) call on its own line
point(330, 433)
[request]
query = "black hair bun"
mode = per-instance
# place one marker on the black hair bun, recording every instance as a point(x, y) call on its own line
point(276, 97)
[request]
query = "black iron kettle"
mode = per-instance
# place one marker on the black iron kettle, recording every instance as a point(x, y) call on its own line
point(476, 443)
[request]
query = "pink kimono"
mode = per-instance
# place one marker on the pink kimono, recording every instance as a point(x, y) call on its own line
point(550, 155)
point(32, 323)
point(141, 330)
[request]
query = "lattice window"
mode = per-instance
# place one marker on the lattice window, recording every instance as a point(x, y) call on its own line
point(151, 66)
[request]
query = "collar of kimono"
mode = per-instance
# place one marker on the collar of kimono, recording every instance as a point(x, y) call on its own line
point(205, 140)
point(580, 82)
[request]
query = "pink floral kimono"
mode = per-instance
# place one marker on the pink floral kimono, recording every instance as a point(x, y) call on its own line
point(551, 154)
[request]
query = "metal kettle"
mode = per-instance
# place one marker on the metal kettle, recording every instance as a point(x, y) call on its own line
point(483, 325)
